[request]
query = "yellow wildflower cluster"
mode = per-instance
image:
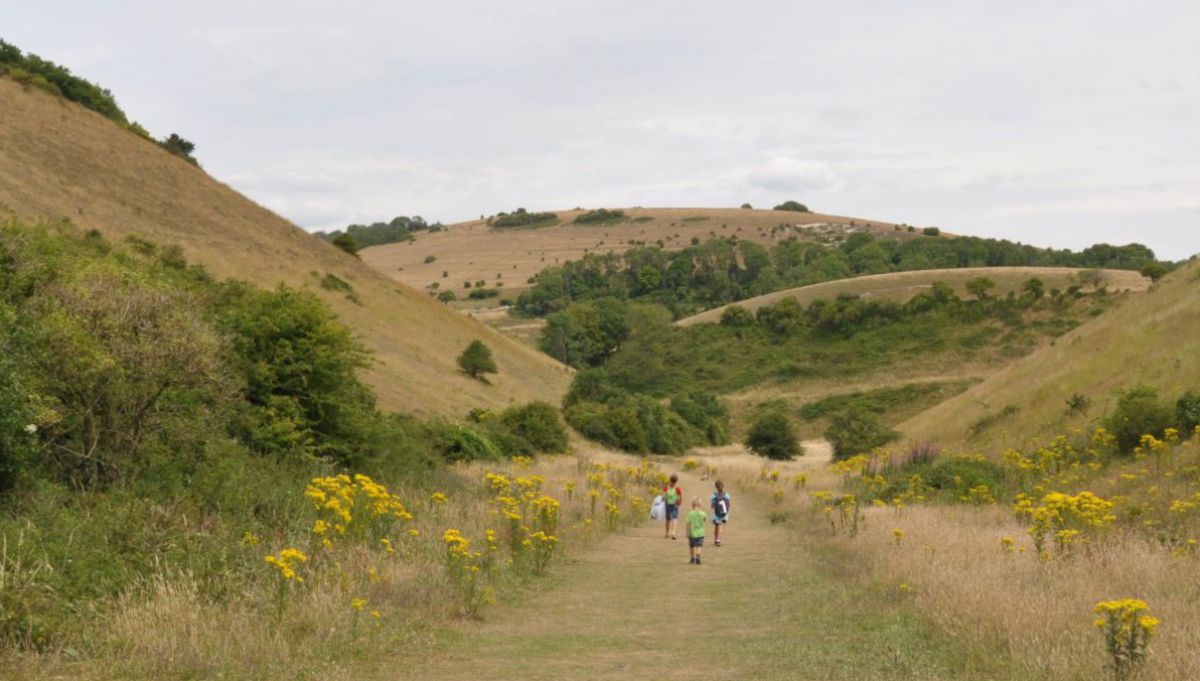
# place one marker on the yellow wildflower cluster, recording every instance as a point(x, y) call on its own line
point(1063, 515)
point(352, 504)
point(690, 464)
point(1128, 627)
point(286, 562)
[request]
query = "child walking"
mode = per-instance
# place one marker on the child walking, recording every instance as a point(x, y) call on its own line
point(672, 497)
point(697, 520)
point(720, 509)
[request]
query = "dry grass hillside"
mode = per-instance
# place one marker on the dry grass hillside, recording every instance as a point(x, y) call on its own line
point(473, 251)
point(901, 286)
point(60, 161)
point(1152, 339)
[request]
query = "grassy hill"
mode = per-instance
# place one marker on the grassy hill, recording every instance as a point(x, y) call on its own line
point(59, 161)
point(1152, 339)
point(901, 286)
point(473, 251)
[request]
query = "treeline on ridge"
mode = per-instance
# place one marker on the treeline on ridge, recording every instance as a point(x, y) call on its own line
point(398, 229)
point(721, 271)
point(31, 70)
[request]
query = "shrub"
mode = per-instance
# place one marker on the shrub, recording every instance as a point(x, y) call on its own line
point(737, 316)
point(539, 424)
point(456, 442)
point(1139, 412)
point(794, 206)
point(1187, 412)
point(522, 218)
point(746, 206)
point(476, 360)
point(931, 231)
point(447, 297)
point(771, 435)
point(180, 147)
point(857, 431)
point(482, 293)
point(430, 258)
point(600, 216)
point(1154, 270)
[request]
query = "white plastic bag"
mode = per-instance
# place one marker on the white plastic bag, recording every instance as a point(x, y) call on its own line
point(657, 508)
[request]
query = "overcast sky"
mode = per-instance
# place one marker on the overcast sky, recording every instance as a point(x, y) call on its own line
point(1055, 123)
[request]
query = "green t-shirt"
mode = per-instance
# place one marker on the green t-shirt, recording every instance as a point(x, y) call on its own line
point(697, 520)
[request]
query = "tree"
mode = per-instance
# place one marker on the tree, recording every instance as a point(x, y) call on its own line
point(476, 360)
point(746, 206)
point(794, 206)
point(772, 436)
point(1036, 288)
point(980, 286)
point(346, 243)
point(1154, 270)
point(179, 146)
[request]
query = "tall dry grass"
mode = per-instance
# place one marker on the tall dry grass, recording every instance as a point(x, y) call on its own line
point(172, 627)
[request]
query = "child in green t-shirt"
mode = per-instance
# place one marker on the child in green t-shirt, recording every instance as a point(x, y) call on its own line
point(697, 520)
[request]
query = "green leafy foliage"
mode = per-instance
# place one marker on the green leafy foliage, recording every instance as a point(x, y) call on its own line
point(721, 271)
point(601, 216)
point(1139, 411)
point(857, 430)
point(1187, 412)
point(398, 229)
point(537, 423)
point(476, 360)
point(794, 206)
point(33, 70)
point(771, 435)
point(608, 414)
point(522, 218)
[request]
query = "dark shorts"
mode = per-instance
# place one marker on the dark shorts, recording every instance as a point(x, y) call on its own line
point(672, 511)
point(695, 542)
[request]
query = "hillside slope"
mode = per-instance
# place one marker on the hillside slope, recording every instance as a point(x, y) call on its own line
point(60, 161)
point(1152, 339)
point(901, 286)
point(473, 251)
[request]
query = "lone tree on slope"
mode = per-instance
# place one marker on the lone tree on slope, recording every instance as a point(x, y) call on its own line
point(477, 360)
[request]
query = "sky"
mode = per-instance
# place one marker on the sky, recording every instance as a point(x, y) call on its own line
point(1053, 123)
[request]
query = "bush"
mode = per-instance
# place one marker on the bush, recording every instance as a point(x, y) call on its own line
point(482, 293)
point(430, 259)
point(931, 231)
point(746, 206)
point(456, 443)
point(794, 206)
point(476, 360)
point(1187, 412)
point(857, 431)
point(1139, 412)
point(539, 424)
point(522, 218)
point(447, 297)
point(772, 436)
point(737, 316)
point(600, 216)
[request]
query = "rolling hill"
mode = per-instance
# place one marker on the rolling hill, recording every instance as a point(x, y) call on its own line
point(901, 286)
point(1153, 339)
point(59, 161)
point(474, 251)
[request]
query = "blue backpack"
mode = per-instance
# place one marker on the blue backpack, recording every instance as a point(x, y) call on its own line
point(721, 505)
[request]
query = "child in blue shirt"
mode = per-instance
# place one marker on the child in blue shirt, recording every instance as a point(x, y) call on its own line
point(720, 511)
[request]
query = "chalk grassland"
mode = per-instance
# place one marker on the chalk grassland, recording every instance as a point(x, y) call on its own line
point(472, 251)
point(1152, 339)
point(60, 161)
point(900, 286)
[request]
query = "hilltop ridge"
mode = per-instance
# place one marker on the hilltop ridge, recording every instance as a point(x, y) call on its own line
point(59, 161)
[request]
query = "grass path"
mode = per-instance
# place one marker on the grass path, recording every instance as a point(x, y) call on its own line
point(763, 606)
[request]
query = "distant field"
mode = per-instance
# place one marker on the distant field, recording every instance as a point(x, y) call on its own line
point(901, 286)
point(1152, 339)
point(472, 251)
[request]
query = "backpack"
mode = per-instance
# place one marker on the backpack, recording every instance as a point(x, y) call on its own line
point(672, 496)
point(721, 506)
